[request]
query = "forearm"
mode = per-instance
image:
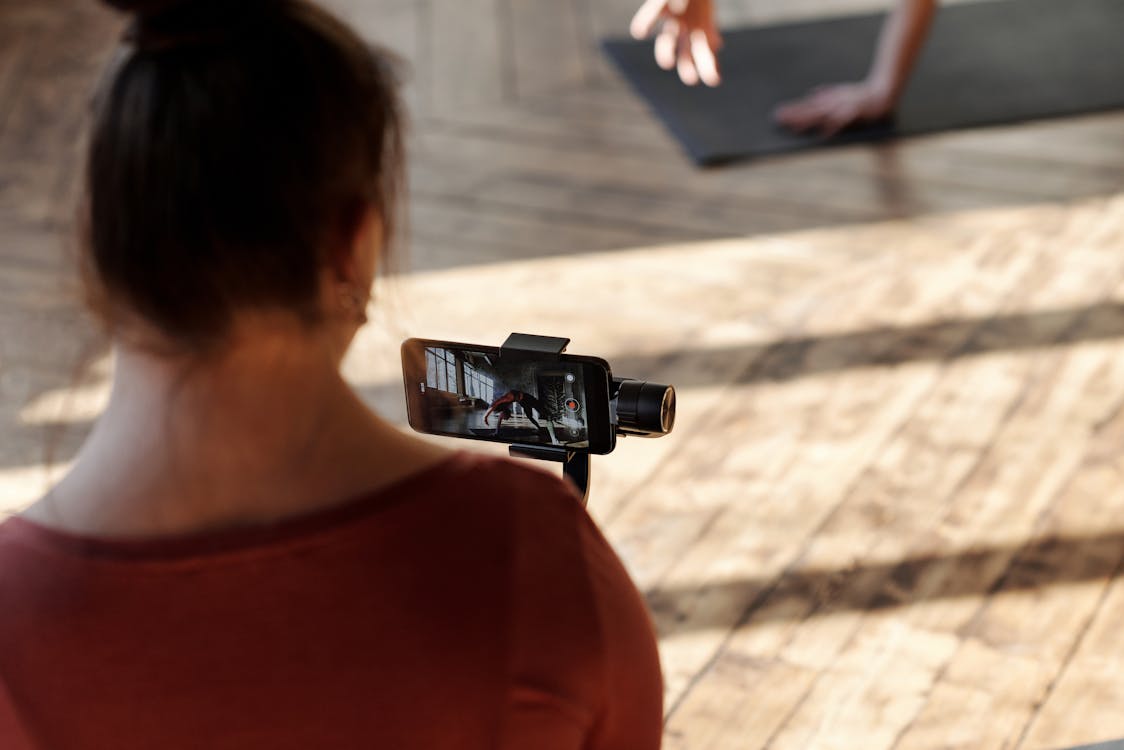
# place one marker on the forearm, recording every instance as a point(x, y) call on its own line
point(903, 36)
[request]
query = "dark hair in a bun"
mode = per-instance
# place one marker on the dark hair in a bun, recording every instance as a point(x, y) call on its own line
point(147, 9)
point(144, 7)
point(159, 24)
point(227, 175)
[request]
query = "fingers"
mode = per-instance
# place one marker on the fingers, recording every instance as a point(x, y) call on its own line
point(827, 109)
point(798, 116)
point(645, 20)
point(828, 121)
point(714, 38)
point(667, 45)
point(688, 72)
point(682, 44)
point(838, 118)
point(703, 55)
point(802, 118)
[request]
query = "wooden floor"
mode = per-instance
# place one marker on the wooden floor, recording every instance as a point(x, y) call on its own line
point(892, 512)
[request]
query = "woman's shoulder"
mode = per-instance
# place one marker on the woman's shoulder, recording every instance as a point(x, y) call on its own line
point(514, 478)
point(540, 511)
point(489, 494)
point(551, 531)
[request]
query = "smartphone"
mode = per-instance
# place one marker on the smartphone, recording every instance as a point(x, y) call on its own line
point(470, 391)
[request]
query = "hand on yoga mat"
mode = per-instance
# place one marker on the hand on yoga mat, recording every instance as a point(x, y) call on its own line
point(688, 39)
point(830, 109)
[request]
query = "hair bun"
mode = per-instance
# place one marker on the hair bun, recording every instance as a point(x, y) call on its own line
point(145, 7)
point(166, 24)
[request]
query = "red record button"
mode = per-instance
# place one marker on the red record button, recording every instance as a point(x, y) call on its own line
point(572, 404)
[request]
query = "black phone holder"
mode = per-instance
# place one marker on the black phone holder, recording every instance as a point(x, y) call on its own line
point(575, 464)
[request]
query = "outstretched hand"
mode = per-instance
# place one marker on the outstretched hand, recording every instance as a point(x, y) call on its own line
point(830, 109)
point(688, 39)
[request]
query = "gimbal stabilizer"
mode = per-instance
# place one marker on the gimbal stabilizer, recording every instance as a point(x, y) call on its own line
point(637, 408)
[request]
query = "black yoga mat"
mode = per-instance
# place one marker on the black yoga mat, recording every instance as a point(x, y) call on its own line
point(985, 63)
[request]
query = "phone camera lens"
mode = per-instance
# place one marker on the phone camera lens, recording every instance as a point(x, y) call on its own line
point(667, 410)
point(644, 409)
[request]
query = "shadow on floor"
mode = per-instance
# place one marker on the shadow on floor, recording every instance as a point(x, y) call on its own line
point(817, 592)
point(789, 359)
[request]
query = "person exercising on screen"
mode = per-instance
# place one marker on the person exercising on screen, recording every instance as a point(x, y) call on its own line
point(688, 40)
point(502, 407)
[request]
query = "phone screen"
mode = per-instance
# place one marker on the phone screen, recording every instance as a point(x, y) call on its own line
point(472, 392)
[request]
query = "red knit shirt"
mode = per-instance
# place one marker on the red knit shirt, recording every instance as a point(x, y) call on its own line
point(475, 605)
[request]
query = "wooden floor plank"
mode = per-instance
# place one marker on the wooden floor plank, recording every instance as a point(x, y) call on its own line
point(888, 520)
point(768, 497)
point(468, 48)
point(924, 479)
point(1036, 586)
point(1085, 705)
point(548, 51)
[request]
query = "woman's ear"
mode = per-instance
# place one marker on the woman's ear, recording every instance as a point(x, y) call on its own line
point(347, 278)
point(355, 260)
point(367, 247)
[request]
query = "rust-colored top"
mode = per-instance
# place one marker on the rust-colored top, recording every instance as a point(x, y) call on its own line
point(475, 605)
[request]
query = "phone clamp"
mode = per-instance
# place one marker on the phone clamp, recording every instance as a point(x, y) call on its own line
point(575, 464)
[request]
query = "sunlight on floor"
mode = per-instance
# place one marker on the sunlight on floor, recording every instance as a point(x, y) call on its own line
point(697, 314)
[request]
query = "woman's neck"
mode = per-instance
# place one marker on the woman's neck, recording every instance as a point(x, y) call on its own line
point(268, 430)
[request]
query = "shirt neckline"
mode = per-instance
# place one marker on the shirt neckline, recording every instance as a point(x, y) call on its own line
point(283, 533)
